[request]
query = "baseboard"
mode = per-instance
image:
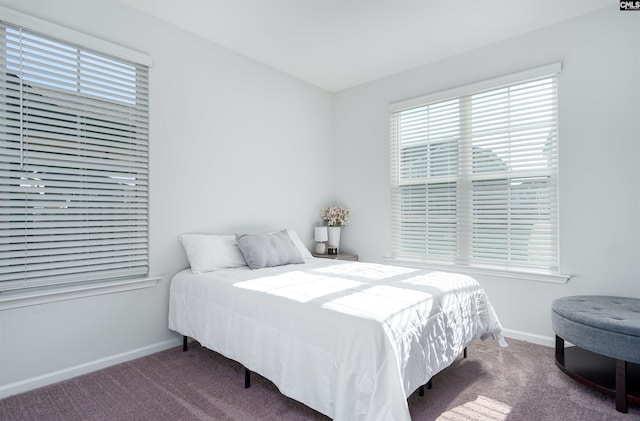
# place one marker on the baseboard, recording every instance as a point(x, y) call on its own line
point(529, 337)
point(67, 373)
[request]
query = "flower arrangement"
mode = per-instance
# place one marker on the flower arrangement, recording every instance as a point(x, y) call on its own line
point(335, 216)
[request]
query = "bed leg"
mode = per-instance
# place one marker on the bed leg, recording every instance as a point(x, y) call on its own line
point(421, 388)
point(185, 346)
point(247, 378)
point(464, 353)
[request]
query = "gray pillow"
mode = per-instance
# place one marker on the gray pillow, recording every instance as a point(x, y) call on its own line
point(266, 250)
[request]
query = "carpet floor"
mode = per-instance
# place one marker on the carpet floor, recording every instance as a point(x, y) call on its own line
point(520, 382)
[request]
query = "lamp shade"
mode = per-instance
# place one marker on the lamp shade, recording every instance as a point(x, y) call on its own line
point(321, 234)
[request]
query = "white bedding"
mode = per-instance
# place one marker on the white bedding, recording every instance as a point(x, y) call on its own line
point(351, 340)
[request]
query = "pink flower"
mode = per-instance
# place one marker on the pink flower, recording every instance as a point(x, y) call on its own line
point(335, 216)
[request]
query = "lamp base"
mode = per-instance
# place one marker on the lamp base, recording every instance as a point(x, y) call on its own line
point(321, 248)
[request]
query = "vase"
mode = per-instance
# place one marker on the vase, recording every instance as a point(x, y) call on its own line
point(334, 237)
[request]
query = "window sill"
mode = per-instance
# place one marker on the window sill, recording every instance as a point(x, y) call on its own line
point(30, 297)
point(555, 278)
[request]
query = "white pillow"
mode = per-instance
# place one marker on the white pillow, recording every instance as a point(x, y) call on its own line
point(298, 243)
point(209, 252)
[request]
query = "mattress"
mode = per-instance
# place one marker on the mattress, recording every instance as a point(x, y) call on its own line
point(351, 340)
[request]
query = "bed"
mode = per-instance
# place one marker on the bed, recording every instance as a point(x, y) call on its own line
point(351, 340)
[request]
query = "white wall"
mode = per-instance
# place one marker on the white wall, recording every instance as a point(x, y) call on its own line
point(599, 111)
point(235, 145)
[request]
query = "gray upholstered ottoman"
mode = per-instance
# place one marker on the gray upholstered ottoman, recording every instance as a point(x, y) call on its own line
point(606, 332)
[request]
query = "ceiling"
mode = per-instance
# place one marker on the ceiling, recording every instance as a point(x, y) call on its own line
point(337, 44)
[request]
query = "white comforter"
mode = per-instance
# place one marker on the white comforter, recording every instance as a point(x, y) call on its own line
point(352, 340)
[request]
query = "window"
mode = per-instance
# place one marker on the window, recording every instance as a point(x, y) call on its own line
point(475, 175)
point(73, 163)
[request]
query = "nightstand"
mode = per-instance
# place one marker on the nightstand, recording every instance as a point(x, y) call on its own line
point(339, 256)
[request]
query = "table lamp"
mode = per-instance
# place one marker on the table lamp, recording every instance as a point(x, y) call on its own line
point(321, 236)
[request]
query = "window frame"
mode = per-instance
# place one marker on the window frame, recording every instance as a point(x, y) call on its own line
point(17, 294)
point(464, 263)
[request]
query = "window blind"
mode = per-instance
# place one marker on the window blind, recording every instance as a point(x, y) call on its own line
point(475, 175)
point(74, 163)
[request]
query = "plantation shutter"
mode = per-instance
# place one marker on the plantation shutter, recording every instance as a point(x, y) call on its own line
point(73, 163)
point(475, 175)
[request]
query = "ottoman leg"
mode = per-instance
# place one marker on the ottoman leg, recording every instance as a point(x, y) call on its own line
point(560, 350)
point(621, 386)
